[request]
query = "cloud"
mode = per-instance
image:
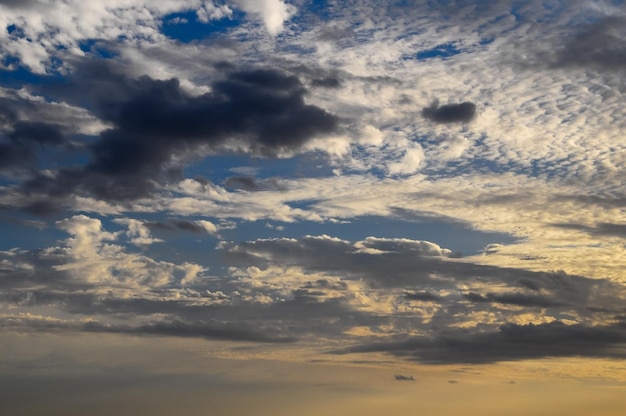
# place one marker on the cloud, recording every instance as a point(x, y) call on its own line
point(41, 208)
point(18, 3)
point(211, 330)
point(92, 260)
point(251, 184)
point(422, 296)
point(273, 12)
point(326, 82)
point(264, 107)
point(599, 45)
point(208, 330)
point(138, 232)
point(605, 229)
point(408, 271)
point(100, 139)
point(35, 133)
point(518, 299)
point(158, 126)
point(450, 113)
point(196, 227)
point(48, 32)
point(20, 145)
point(509, 343)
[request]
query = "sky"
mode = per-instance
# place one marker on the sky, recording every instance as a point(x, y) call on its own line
point(255, 207)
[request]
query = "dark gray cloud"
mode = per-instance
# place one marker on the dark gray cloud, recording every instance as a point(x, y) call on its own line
point(252, 184)
point(7, 112)
point(604, 229)
point(600, 45)
point(18, 3)
point(410, 265)
point(41, 208)
point(213, 330)
point(247, 183)
point(201, 329)
point(262, 109)
point(14, 156)
point(156, 122)
point(519, 299)
point(450, 113)
point(302, 312)
point(327, 82)
point(33, 133)
point(423, 296)
point(509, 343)
point(18, 147)
point(176, 225)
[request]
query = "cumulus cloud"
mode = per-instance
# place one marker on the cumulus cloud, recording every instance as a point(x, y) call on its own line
point(92, 259)
point(156, 124)
point(138, 232)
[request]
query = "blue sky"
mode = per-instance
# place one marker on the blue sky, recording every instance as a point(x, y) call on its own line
point(424, 194)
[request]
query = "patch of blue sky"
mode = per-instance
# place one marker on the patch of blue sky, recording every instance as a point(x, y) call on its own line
point(185, 27)
point(552, 10)
point(321, 8)
point(516, 9)
point(13, 74)
point(24, 231)
point(97, 49)
point(442, 51)
point(16, 32)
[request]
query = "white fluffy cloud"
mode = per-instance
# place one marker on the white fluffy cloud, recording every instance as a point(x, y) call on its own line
point(273, 12)
point(91, 257)
point(36, 32)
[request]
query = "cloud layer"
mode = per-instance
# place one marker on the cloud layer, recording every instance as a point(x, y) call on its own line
point(438, 182)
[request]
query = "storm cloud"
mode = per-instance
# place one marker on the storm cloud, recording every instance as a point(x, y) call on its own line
point(158, 127)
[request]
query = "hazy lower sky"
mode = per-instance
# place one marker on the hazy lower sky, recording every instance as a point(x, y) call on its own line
point(273, 207)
